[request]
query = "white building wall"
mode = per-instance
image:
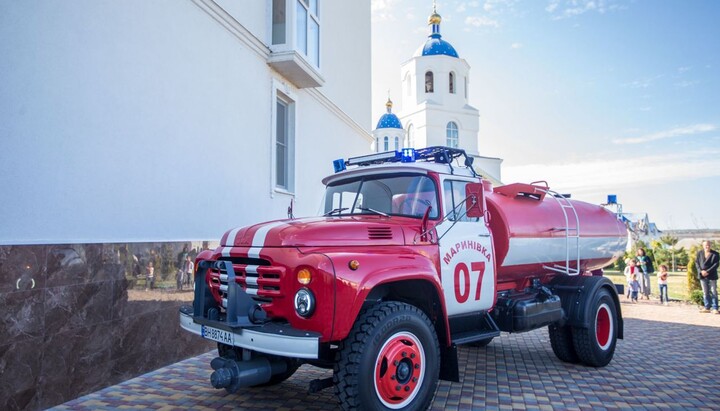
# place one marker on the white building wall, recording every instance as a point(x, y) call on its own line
point(152, 121)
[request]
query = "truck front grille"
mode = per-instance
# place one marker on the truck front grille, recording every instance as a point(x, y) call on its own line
point(257, 277)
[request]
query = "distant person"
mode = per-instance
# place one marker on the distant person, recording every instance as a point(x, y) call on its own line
point(629, 272)
point(645, 267)
point(634, 288)
point(662, 277)
point(180, 279)
point(706, 262)
point(149, 276)
point(188, 268)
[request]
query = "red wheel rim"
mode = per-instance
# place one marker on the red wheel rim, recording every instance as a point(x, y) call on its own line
point(603, 326)
point(399, 370)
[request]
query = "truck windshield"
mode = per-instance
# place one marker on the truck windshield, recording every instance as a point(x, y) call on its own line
point(397, 195)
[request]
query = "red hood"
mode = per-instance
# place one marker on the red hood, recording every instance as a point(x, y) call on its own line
point(318, 231)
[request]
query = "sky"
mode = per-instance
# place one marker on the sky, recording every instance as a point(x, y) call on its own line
point(596, 97)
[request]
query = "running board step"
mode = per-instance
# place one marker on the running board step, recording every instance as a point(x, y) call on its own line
point(473, 327)
point(468, 337)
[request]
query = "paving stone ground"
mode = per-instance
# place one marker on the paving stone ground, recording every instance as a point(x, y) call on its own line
point(669, 360)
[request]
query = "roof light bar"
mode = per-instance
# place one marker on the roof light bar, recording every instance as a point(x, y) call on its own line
point(386, 157)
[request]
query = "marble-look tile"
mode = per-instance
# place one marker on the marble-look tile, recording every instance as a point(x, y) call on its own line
point(75, 306)
point(66, 265)
point(22, 268)
point(75, 362)
point(20, 367)
point(22, 317)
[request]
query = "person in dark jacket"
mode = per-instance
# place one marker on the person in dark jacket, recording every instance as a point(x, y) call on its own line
point(707, 261)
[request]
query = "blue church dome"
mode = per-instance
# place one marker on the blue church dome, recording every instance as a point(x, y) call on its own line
point(435, 45)
point(389, 120)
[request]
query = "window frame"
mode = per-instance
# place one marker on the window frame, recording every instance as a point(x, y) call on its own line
point(280, 94)
point(456, 137)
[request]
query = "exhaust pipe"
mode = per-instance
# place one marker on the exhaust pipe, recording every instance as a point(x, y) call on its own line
point(233, 375)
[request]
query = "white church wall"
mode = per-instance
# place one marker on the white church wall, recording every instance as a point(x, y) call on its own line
point(118, 123)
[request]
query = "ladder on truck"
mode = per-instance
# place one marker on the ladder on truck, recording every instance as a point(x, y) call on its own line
point(572, 235)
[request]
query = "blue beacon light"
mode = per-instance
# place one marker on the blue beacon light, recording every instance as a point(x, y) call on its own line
point(339, 165)
point(408, 155)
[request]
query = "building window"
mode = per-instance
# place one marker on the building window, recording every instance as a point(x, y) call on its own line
point(410, 137)
point(397, 143)
point(451, 82)
point(452, 135)
point(308, 30)
point(466, 86)
point(386, 144)
point(302, 34)
point(278, 22)
point(377, 145)
point(429, 82)
point(284, 142)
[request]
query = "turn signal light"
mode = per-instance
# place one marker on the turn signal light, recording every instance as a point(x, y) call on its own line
point(304, 276)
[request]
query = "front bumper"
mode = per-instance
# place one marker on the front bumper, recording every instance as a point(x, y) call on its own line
point(268, 338)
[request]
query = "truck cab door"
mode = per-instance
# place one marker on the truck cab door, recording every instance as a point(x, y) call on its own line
point(467, 260)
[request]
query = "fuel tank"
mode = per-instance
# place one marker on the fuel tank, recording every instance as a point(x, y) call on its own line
point(534, 229)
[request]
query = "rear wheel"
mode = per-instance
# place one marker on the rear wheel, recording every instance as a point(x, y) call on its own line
point(595, 345)
point(561, 341)
point(390, 360)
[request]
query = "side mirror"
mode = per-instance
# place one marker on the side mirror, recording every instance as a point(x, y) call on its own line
point(474, 201)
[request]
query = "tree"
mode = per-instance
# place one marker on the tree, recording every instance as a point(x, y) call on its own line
point(670, 242)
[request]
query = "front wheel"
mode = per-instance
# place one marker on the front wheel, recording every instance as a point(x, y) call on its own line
point(390, 360)
point(595, 345)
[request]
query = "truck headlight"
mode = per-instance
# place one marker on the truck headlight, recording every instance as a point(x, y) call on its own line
point(304, 303)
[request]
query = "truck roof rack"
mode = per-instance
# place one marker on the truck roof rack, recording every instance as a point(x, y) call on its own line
point(435, 154)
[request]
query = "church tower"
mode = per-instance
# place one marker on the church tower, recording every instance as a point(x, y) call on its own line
point(389, 133)
point(435, 107)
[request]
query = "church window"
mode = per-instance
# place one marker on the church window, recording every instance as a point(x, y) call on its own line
point(397, 143)
point(410, 136)
point(429, 82)
point(377, 145)
point(451, 80)
point(452, 135)
point(386, 144)
point(466, 86)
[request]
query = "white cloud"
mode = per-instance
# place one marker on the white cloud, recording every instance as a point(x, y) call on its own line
point(604, 176)
point(481, 21)
point(461, 8)
point(684, 69)
point(674, 132)
point(383, 10)
point(516, 45)
point(686, 83)
point(560, 9)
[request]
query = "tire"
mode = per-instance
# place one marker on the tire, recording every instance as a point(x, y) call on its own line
point(390, 360)
point(595, 345)
point(481, 343)
point(561, 341)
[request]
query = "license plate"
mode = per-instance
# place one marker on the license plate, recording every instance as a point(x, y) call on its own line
point(215, 334)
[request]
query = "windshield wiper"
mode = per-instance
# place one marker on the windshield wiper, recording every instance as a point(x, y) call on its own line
point(335, 210)
point(373, 211)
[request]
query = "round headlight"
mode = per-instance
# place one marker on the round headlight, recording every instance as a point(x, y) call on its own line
point(304, 302)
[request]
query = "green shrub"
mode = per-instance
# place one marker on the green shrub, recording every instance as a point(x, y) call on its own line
point(692, 274)
point(696, 297)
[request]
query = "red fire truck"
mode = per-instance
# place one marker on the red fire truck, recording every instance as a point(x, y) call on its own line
point(414, 255)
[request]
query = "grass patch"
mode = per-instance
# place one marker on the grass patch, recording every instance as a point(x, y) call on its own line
point(677, 283)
